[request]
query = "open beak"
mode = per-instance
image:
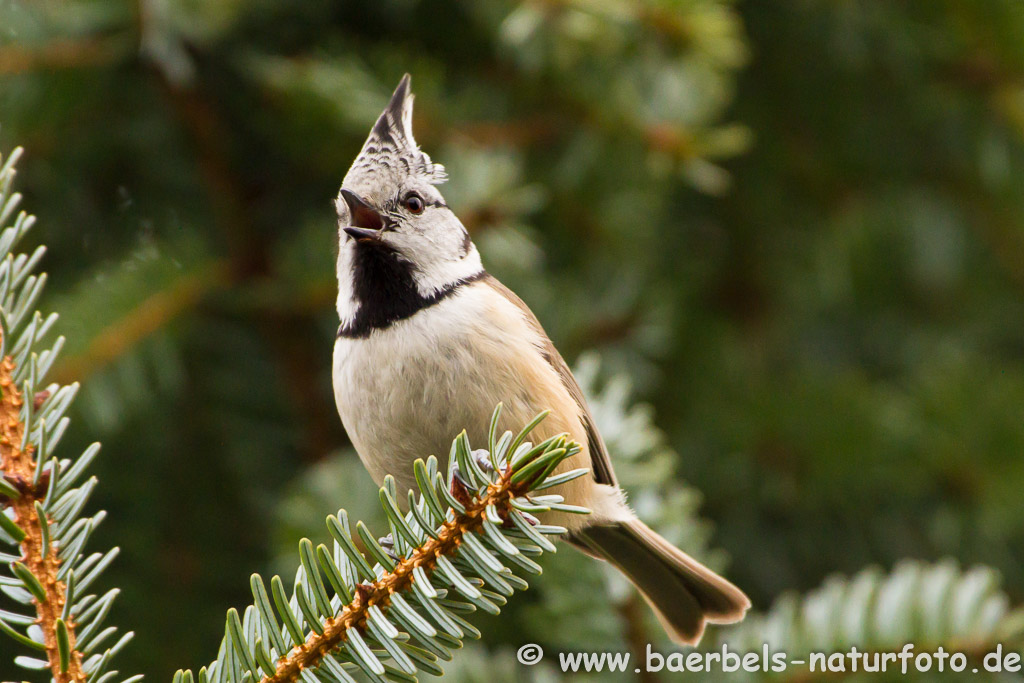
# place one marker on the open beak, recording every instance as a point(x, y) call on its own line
point(366, 223)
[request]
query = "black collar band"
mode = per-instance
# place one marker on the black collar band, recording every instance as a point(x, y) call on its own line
point(384, 287)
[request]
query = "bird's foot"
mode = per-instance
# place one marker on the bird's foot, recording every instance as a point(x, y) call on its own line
point(482, 457)
point(461, 488)
point(387, 544)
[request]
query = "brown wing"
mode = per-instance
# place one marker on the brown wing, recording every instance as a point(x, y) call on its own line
point(600, 463)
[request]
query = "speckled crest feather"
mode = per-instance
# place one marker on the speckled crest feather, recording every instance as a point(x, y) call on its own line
point(390, 153)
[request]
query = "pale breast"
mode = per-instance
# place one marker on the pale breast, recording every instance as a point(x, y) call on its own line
point(406, 391)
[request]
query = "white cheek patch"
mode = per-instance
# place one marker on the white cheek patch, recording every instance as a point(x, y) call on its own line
point(347, 303)
point(435, 278)
point(438, 249)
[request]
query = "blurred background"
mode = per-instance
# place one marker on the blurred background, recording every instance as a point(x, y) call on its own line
point(783, 244)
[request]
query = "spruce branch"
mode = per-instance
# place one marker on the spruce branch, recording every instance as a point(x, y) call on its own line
point(393, 613)
point(40, 504)
point(925, 604)
point(39, 562)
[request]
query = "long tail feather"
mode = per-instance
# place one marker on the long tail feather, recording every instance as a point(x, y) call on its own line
point(684, 594)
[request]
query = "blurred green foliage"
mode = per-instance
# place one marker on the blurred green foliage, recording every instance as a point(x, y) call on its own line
point(797, 227)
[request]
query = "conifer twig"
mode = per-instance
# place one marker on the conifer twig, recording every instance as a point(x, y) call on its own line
point(395, 609)
point(18, 466)
point(309, 655)
point(43, 531)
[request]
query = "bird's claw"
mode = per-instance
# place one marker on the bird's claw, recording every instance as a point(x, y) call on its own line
point(461, 488)
point(457, 477)
point(387, 544)
point(483, 460)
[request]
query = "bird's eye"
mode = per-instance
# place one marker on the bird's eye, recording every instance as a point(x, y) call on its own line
point(414, 203)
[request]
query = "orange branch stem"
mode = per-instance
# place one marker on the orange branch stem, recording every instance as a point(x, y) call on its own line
point(18, 466)
point(354, 615)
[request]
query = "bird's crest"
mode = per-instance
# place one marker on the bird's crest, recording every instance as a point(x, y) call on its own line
point(391, 149)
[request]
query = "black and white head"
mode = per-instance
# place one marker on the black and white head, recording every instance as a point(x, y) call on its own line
point(401, 247)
